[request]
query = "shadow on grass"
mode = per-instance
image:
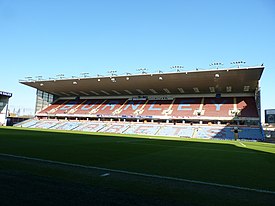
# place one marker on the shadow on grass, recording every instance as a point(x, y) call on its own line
point(222, 162)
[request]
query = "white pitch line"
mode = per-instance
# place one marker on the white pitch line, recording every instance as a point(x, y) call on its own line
point(141, 174)
point(105, 174)
point(242, 144)
point(188, 147)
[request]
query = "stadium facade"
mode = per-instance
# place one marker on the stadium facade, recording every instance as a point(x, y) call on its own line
point(201, 103)
point(4, 102)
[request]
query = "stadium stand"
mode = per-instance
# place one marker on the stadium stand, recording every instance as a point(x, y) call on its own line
point(181, 108)
point(174, 105)
point(208, 132)
point(44, 124)
point(67, 107)
point(148, 129)
point(88, 106)
point(115, 128)
point(28, 123)
point(250, 133)
point(178, 131)
point(90, 126)
point(218, 107)
point(67, 125)
point(186, 107)
point(53, 107)
point(110, 107)
point(247, 107)
point(131, 108)
point(155, 108)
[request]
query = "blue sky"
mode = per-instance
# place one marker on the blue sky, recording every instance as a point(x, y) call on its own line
point(49, 37)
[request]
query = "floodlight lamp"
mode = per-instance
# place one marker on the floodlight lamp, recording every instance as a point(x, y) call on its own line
point(112, 72)
point(216, 64)
point(217, 75)
point(61, 76)
point(160, 78)
point(238, 63)
point(28, 78)
point(84, 74)
point(177, 67)
point(143, 70)
point(38, 77)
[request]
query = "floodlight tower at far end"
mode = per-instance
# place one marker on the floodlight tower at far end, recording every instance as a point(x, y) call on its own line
point(216, 64)
point(112, 72)
point(142, 70)
point(238, 63)
point(177, 67)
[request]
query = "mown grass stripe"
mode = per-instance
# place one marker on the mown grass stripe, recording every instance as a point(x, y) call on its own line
point(140, 174)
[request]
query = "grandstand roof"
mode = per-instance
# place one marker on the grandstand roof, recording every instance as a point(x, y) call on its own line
point(231, 80)
point(7, 94)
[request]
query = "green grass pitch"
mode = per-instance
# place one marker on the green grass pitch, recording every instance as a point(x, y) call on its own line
point(242, 164)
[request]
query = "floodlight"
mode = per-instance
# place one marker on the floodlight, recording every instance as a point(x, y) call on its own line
point(216, 64)
point(143, 70)
point(38, 77)
point(61, 76)
point(238, 63)
point(177, 67)
point(84, 74)
point(112, 72)
point(28, 78)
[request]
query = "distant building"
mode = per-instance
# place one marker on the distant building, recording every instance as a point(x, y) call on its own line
point(4, 102)
point(270, 116)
